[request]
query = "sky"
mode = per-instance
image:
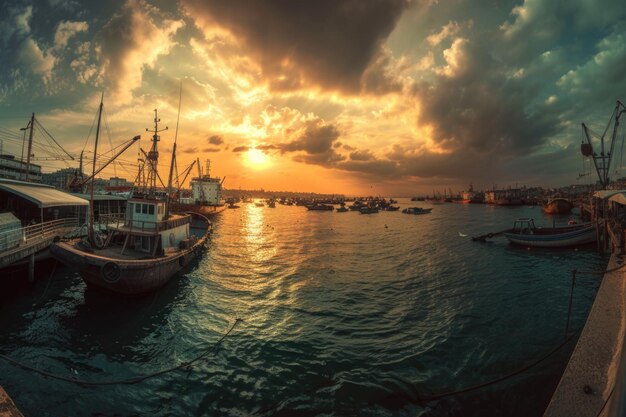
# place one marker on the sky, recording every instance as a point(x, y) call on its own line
point(387, 97)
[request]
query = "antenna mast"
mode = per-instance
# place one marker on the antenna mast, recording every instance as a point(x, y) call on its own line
point(153, 157)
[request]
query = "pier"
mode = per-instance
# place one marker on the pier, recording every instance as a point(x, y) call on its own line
point(31, 240)
point(586, 385)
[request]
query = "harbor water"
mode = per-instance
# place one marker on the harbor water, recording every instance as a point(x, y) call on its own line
point(343, 314)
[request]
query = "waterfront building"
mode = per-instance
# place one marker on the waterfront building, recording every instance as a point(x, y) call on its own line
point(61, 178)
point(15, 169)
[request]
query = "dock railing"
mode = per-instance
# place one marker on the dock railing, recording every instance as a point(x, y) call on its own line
point(21, 236)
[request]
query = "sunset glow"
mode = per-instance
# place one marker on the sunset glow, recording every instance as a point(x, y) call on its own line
point(257, 159)
point(425, 95)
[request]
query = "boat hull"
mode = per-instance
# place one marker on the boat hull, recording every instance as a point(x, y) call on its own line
point(558, 206)
point(580, 236)
point(203, 209)
point(125, 277)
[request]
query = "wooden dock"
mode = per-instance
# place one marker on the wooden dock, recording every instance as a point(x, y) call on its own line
point(7, 406)
point(34, 239)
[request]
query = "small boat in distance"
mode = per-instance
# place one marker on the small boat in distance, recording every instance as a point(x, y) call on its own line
point(416, 210)
point(342, 209)
point(319, 207)
point(368, 210)
point(557, 205)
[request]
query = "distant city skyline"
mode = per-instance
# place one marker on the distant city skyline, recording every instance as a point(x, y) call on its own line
point(394, 96)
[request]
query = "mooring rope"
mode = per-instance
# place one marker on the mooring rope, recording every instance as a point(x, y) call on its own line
point(129, 381)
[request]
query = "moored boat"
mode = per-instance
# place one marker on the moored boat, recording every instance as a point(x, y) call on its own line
point(416, 210)
point(206, 194)
point(558, 205)
point(320, 207)
point(368, 210)
point(142, 251)
point(525, 233)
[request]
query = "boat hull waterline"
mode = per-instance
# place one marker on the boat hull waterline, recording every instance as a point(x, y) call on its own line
point(126, 277)
point(579, 236)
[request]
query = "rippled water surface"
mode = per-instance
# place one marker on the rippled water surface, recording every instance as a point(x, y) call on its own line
point(344, 314)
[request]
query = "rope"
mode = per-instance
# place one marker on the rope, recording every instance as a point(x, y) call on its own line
point(129, 381)
point(502, 378)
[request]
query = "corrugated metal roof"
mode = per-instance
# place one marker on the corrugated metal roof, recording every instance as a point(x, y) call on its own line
point(42, 195)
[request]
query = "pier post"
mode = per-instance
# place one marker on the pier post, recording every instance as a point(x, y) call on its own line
point(31, 268)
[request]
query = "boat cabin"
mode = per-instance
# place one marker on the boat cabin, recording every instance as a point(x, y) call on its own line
point(146, 229)
point(524, 226)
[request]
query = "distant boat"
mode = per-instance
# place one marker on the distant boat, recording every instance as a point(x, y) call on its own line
point(558, 205)
point(232, 206)
point(259, 204)
point(271, 204)
point(416, 210)
point(525, 233)
point(342, 209)
point(320, 207)
point(368, 210)
point(392, 208)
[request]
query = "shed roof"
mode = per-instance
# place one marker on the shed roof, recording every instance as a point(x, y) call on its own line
point(42, 195)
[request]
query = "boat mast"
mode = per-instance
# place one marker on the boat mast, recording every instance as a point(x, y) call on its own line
point(93, 174)
point(153, 157)
point(169, 181)
point(30, 126)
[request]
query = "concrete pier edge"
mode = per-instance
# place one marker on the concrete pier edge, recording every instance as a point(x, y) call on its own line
point(595, 359)
point(7, 407)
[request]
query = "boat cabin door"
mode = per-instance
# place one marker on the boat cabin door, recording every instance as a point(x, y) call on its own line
point(524, 226)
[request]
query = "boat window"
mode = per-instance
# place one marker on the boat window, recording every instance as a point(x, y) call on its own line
point(144, 208)
point(137, 208)
point(151, 209)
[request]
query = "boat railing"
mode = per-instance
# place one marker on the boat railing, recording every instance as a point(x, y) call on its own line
point(119, 221)
point(23, 235)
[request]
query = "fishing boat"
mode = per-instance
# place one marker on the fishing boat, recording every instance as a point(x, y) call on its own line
point(320, 207)
point(368, 210)
point(342, 209)
point(558, 205)
point(206, 194)
point(525, 233)
point(416, 210)
point(142, 251)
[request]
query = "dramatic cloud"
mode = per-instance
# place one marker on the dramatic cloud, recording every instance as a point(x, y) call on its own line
point(327, 43)
point(133, 39)
point(215, 140)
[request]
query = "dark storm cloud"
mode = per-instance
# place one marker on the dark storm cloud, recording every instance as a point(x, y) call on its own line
point(477, 106)
point(361, 156)
point(241, 148)
point(328, 43)
point(215, 140)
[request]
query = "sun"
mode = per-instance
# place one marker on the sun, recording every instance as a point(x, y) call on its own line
point(256, 158)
